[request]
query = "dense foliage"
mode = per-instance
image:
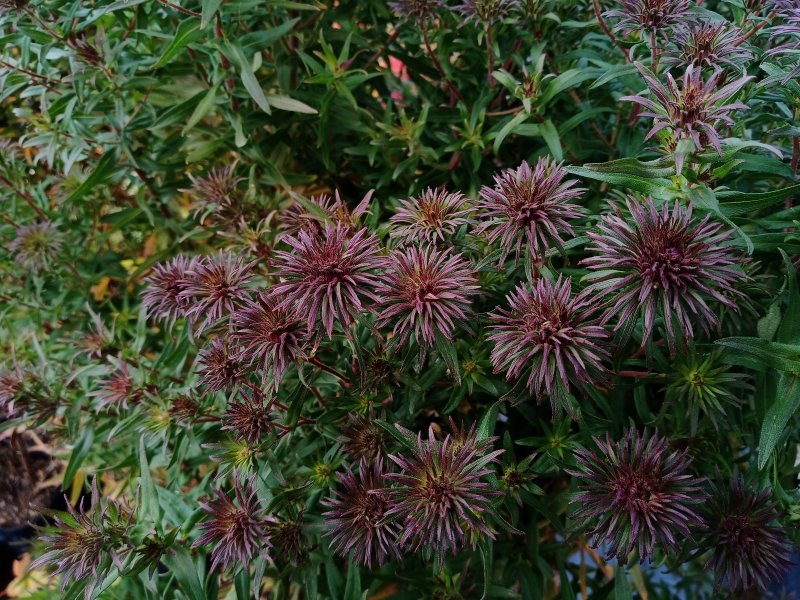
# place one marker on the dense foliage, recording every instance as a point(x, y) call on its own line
point(413, 299)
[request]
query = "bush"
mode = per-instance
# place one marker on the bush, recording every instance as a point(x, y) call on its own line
point(402, 300)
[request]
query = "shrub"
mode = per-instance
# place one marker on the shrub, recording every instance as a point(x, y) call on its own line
point(402, 299)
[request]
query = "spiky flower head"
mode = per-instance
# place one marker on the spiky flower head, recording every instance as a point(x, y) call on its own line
point(36, 246)
point(363, 438)
point(423, 13)
point(649, 15)
point(552, 335)
point(184, 409)
point(635, 494)
point(235, 529)
point(118, 389)
point(663, 262)
point(214, 286)
point(691, 111)
point(331, 277)
point(750, 547)
point(97, 340)
point(706, 385)
point(788, 34)
point(269, 335)
point(442, 494)
point(163, 297)
point(530, 205)
point(485, 11)
point(218, 187)
point(431, 216)
point(427, 293)
point(708, 45)
point(288, 540)
point(311, 214)
point(252, 418)
point(357, 517)
point(219, 368)
point(86, 541)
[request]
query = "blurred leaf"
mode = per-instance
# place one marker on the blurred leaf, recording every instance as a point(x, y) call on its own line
point(188, 31)
point(787, 399)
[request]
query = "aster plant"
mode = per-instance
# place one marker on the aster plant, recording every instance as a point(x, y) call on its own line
point(553, 336)
point(531, 206)
point(432, 216)
point(749, 548)
point(423, 13)
point(214, 286)
point(357, 517)
point(84, 542)
point(219, 368)
point(636, 494)
point(708, 45)
point(649, 15)
point(311, 214)
point(251, 419)
point(235, 528)
point(664, 262)
point(426, 293)
point(164, 298)
point(330, 277)
point(269, 336)
point(442, 495)
point(692, 111)
point(217, 191)
point(118, 389)
point(36, 247)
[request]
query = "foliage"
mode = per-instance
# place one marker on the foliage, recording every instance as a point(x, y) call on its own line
point(390, 299)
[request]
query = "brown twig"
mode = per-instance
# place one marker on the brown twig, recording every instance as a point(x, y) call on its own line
point(37, 76)
point(599, 14)
point(185, 11)
point(321, 365)
point(755, 29)
point(453, 89)
point(25, 196)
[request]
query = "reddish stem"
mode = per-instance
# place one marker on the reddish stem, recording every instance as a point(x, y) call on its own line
point(346, 383)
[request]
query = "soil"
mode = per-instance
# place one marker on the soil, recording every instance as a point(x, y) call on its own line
point(28, 478)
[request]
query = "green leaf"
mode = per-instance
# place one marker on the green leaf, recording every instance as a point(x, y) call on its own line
point(78, 455)
point(552, 139)
point(149, 503)
point(352, 587)
point(290, 104)
point(188, 31)
point(789, 331)
point(101, 173)
point(407, 439)
point(447, 350)
point(735, 204)
point(185, 572)
point(612, 73)
point(654, 186)
point(249, 79)
point(762, 353)
point(488, 421)
point(241, 583)
point(209, 7)
point(486, 560)
point(517, 119)
point(622, 587)
point(787, 399)
point(203, 107)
